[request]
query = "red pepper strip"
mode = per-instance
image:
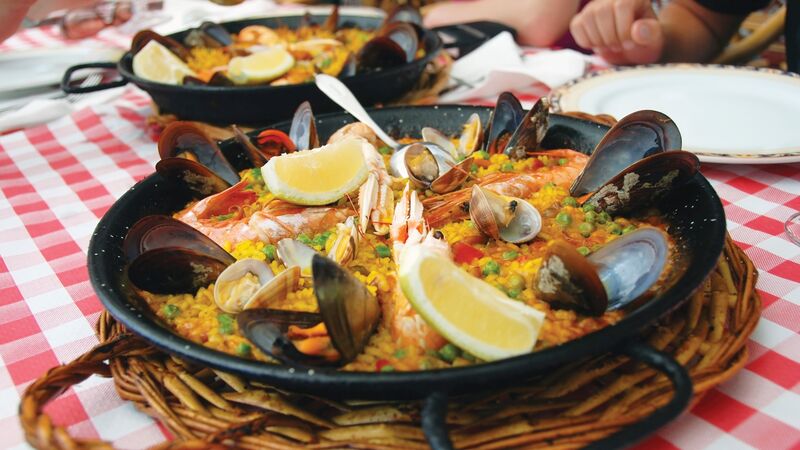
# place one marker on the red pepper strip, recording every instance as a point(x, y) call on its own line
point(380, 364)
point(536, 163)
point(276, 138)
point(465, 253)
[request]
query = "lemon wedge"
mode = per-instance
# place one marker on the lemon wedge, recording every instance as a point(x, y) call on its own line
point(157, 63)
point(467, 311)
point(319, 176)
point(260, 67)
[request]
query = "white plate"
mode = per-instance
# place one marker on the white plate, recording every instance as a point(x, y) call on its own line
point(25, 69)
point(726, 114)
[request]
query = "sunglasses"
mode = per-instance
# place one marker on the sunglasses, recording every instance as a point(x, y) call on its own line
point(86, 22)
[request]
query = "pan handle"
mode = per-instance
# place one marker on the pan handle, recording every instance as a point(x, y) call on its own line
point(65, 81)
point(434, 423)
point(681, 382)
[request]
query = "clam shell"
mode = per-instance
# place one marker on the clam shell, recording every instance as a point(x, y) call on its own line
point(434, 136)
point(397, 164)
point(294, 253)
point(234, 302)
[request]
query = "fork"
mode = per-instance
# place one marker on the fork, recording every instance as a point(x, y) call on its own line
point(91, 80)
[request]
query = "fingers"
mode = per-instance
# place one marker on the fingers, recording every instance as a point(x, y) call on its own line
point(619, 30)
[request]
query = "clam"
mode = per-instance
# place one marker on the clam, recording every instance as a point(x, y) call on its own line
point(469, 140)
point(608, 279)
point(397, 163)
point(347, 309)
point(249, 283)
point(434, 136)
point(345, 242)
point(166, 256)
point(506, 117)
point(638, 135)
point(530, 131)
point(424, 172)
point(303, 131)
point(644, 182)
point(508, 218)
point(183, 147)
point(294, 253)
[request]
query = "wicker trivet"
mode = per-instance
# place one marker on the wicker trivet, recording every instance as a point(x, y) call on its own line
point(568, 408)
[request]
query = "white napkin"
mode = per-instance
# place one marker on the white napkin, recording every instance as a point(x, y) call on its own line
point(497, 66)
point(41, 111)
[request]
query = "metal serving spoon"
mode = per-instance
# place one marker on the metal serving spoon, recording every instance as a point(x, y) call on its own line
point(342, 96)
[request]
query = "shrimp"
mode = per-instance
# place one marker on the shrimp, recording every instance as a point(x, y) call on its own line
point(445, 208)
point(221, 217)
point(409, 229)
point(375, 196)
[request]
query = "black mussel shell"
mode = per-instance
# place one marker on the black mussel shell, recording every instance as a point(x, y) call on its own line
point(189, 140)
point(380, 52)
point(141, 39)
point(253, 153)
point(220, 79)
point(530, 132)
point(349, 310)
point(199, 179)
point(644, 182)
point(303, 131)
point(217, 33)
point(636, 136)
point(404, 35)
point(332, 22)
point(152, 232)
point(174, 270)
point(506, 117)
point(266, 329)
point(567, 280)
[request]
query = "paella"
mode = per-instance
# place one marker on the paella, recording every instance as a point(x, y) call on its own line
point(446, 251)
point(260, 55)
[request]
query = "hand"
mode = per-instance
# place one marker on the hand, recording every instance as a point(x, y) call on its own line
point(620, 31)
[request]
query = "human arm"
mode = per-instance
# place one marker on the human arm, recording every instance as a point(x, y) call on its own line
point(12, 13)
point(538, 22)
point(629, 32)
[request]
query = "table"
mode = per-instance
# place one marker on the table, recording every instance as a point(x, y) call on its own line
point(57, 180)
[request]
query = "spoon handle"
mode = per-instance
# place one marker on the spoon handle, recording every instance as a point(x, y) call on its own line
point(341, 95)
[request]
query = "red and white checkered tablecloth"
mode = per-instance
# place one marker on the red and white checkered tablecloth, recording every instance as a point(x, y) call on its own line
point(57, 180)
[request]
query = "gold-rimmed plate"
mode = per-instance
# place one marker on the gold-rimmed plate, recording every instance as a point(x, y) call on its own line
point(726, 114)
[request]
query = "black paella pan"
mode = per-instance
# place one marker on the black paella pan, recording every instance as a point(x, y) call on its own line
point(693, 211)
point(262, 104)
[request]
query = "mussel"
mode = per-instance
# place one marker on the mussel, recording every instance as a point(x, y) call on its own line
point(510, 219)
point(190, 155)
point(636, 136)
point(166, 256)
point(208, 34)
point(506, 117)
point(530, 132)
point(608, 279)
point(303, 131)
point(141, 39)
point(425, 172)
point(395, 43)
point(347, 309)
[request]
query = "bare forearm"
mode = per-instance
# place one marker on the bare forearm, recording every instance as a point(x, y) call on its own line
point(693, 34)
point(12, 12)
point(538, 22)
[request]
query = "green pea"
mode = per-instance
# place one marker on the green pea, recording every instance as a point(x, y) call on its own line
point(243, 349)
point(400, 353)
point(628, 229)
point(569, 201)
point(171, 311)
point(387, 368)
point(304, 239)
point(563, 219)
point(549, 184)
point(588, 207)
point(584, 250)
point(382, 251)
point(270, 252)
point(490, 268)
point(605, 216)
point(590, 216)
point(319, 240)
point(223, 217)
point(449, 352)
point(225, 323)
point(562, 161)
point(507, 167)
point(614, 228)
point(425, 365)
point(514, 293)
point(586, 229)
point(385, 150)
point(256, 173)
point(510, 255)
point(516, 281)
point(473, 168)
point(483, 154)
point(468, 356)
